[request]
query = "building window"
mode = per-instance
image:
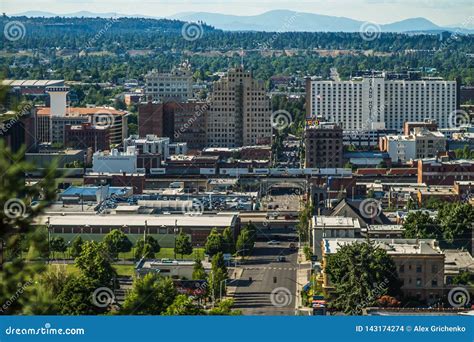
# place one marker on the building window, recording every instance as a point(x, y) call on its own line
point(401, 269)
point(418, 282)
point(418, 268)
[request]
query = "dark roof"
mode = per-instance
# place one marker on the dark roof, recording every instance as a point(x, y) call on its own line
point(354, 207)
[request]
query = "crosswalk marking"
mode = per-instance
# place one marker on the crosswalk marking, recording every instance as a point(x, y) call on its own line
point(270, 268)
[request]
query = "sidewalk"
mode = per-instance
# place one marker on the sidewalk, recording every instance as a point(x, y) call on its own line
point(303, 275)
point(236, 274)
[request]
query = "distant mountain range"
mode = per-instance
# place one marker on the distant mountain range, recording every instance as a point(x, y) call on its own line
point(277, 20)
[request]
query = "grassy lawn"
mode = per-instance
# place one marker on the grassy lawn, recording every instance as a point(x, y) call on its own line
point(165, 253)
point(122, 270)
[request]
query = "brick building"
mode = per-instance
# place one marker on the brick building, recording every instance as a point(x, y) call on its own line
point(323, 146)
point(436, 172)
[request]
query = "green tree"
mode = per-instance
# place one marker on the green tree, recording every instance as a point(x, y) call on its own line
point(304, 219)
point(228, 241)
point(117, 242)
point(183, 245)
point(244, 243)
point(198, 270)
point(361, 273)
point(463, 278)
point(214, 242)
point(224, 308)
point(147, 248)
point(76, 246)
point(218, 276)
point(57, 244)
point(456, 221)
point(76, 297)
point(95, 263)
point(183, 306)
point(150, 295)
point(419, 225)
point(21, 206)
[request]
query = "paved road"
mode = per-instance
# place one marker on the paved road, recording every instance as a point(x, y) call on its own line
point(255, 297)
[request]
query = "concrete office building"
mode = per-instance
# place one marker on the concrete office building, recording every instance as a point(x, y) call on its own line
point(176, 85)
point(386, 98)
point(115, 161)
point(419, 145)
point(240, 111)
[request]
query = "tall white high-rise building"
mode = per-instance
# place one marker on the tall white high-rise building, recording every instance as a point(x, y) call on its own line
point(381, 100)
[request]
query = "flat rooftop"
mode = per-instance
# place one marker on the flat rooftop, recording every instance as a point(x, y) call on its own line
point(391, 246)
point(115, 220)
point(385, 227)
point(92, 190)
point(335, 222)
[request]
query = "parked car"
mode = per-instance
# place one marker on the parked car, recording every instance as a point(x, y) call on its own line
point(273, 242)
point(281, 258)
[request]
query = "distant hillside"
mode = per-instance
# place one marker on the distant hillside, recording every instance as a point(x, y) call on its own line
point(283, 20)
point(272, 21)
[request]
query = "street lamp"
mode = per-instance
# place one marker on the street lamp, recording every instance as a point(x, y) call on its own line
point(220, 286)
point(175, 231)
point(48, 226)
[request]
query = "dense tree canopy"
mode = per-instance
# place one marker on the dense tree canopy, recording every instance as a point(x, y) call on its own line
point(361, 273)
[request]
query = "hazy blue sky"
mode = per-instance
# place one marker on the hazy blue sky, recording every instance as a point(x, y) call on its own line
point(443, 12)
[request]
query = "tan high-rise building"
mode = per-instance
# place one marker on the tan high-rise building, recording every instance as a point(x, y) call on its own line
point(240, 111)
